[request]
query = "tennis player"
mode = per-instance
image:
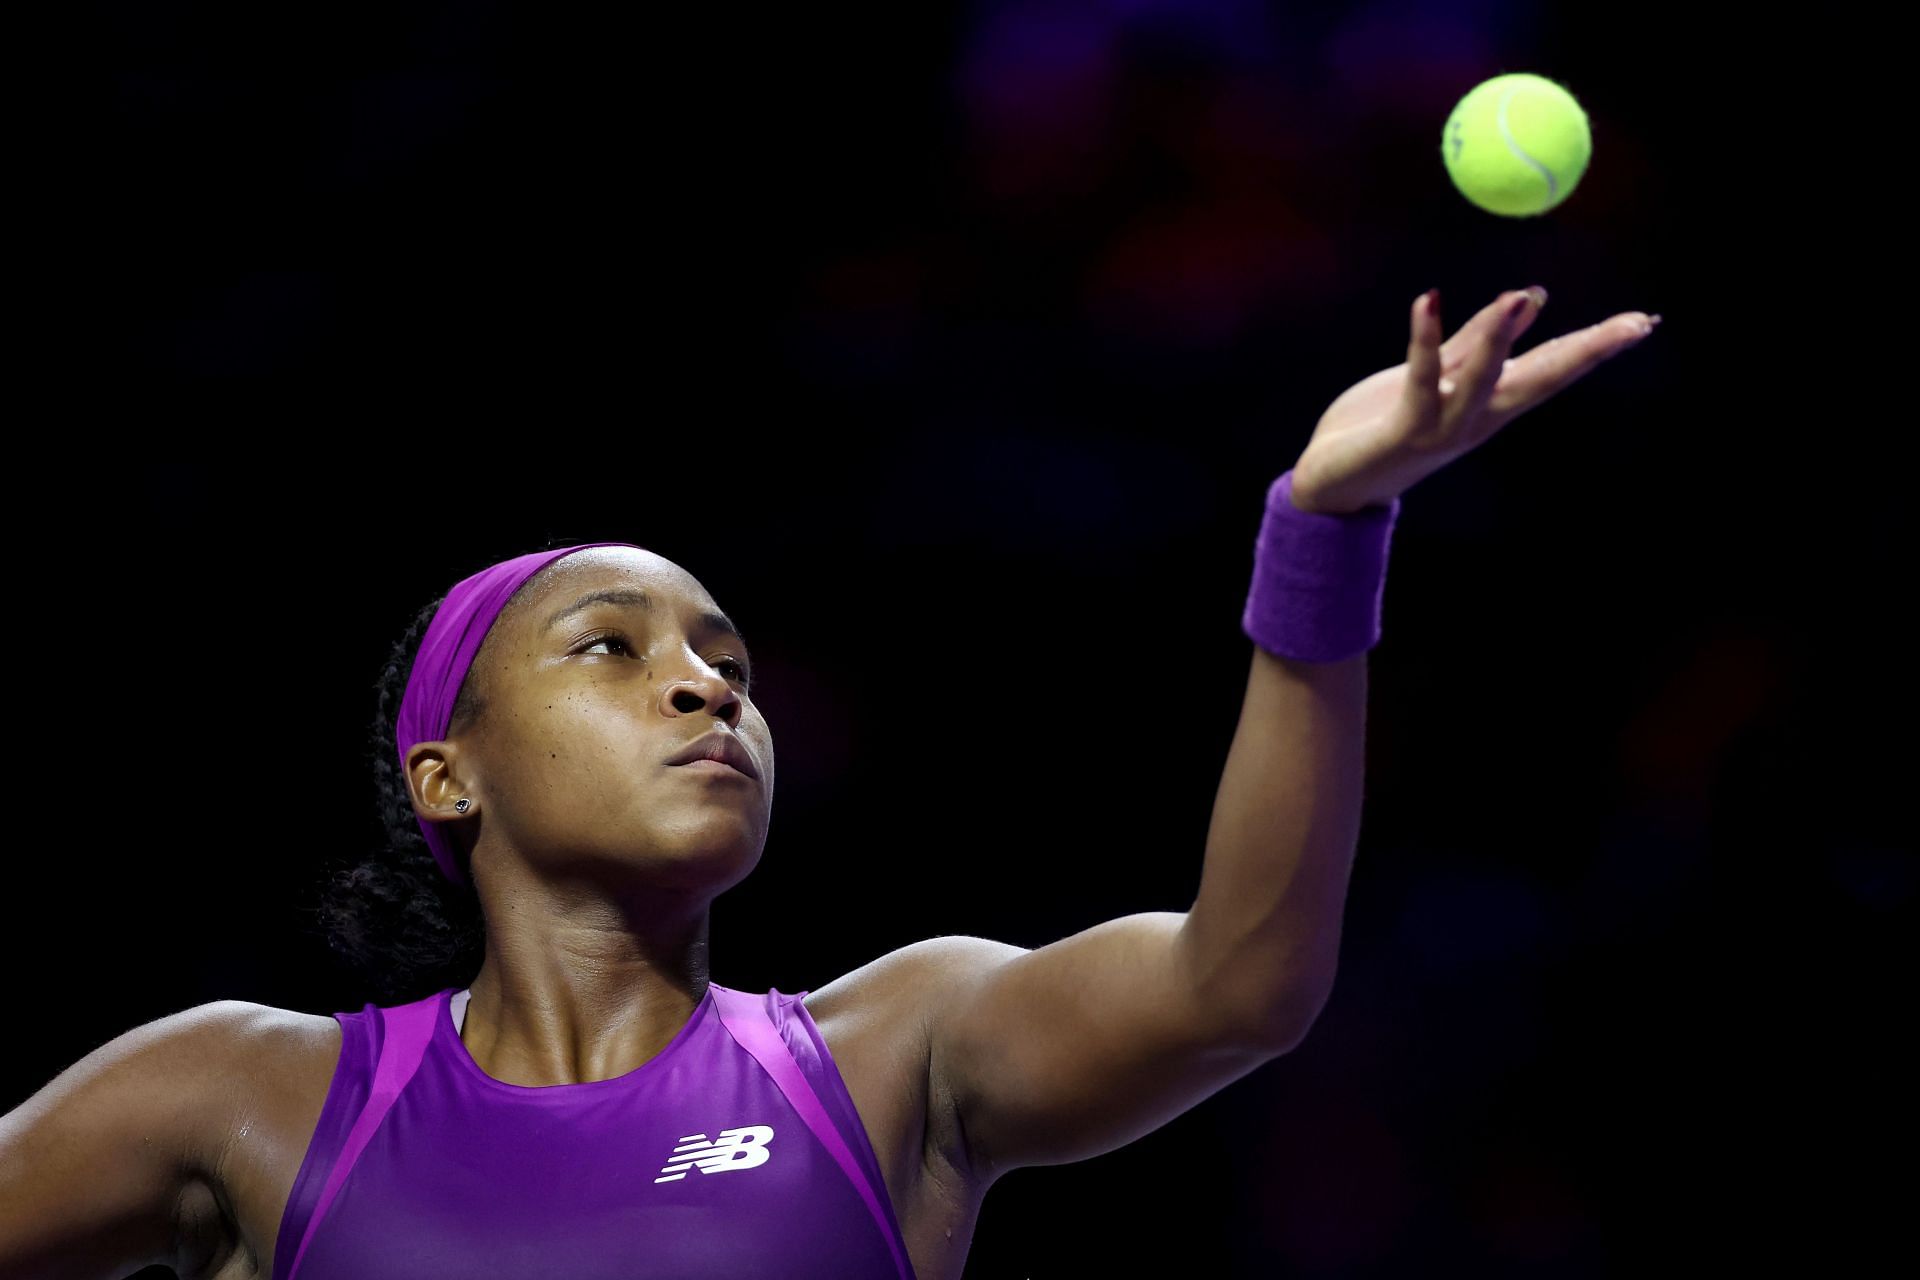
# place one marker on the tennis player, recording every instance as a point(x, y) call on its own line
point(576, 747)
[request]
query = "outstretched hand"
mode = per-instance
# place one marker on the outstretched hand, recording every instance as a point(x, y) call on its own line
point(1402, 424)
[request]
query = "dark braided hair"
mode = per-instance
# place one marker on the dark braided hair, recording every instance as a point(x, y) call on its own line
point(399, 923)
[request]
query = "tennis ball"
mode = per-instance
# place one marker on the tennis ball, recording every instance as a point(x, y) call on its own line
point(1516, 145)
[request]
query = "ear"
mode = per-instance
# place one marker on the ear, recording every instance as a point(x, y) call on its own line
point(436, 780)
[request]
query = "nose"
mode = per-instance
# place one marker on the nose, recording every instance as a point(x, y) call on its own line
point(705, 689)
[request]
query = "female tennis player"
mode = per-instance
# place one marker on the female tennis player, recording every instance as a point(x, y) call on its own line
point(579, 747)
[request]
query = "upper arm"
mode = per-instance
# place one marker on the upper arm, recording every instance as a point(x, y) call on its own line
point(97, 1168)
point(1070, 1050)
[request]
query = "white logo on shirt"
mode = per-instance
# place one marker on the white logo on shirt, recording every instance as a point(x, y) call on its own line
point(741, 1148)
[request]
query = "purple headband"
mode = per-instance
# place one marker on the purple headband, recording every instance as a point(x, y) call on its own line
point(446, 651)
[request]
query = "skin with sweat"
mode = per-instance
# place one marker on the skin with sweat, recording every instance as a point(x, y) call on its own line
point(596, 863)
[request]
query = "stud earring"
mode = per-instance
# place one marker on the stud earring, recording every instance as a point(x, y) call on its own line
point(460, 805)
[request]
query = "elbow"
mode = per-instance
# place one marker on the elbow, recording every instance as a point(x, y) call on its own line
point(1266, 1004)
point(1284, 1025)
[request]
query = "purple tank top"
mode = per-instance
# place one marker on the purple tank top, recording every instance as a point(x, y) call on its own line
point(735, 1151)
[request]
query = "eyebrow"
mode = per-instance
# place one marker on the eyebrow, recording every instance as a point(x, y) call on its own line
point(712, 619)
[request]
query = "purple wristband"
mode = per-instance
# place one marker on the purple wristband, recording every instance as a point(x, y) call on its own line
point(1317, 579)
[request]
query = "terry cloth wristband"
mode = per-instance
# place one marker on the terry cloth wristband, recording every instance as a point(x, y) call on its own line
point(1317, 579)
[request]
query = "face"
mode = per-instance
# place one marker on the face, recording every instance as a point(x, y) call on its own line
point(599, 673)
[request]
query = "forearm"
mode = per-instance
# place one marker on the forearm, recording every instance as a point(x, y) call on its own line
point(1263, 935)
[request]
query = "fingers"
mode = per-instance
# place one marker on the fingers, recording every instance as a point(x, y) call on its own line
point(1482, 361)
point(1475, 332)
point(1423, 357)
point(1472, 376)
point(1469, 344)
point(1557, 363)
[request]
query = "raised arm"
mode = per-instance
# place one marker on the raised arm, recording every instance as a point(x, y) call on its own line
point(1075, 1048)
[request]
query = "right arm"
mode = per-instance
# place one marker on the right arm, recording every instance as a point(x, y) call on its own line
point(103, 1171)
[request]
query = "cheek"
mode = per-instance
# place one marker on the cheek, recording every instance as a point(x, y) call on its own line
point(576, 742)
point(766, 754)
point(578, 773)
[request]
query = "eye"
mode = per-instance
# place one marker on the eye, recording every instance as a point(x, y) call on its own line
point(610, 640)
point(741, 673)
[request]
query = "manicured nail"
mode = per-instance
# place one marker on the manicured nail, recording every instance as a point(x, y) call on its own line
point(1539, 292)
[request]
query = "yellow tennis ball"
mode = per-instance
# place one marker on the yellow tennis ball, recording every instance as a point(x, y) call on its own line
point(1516, 145)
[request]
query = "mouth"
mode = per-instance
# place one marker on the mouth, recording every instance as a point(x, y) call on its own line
point(717, 751)
point(718, 767)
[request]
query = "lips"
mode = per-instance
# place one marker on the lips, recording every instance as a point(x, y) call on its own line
point(720, 746)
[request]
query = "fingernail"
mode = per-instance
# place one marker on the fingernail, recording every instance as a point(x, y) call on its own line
point(1539, 292)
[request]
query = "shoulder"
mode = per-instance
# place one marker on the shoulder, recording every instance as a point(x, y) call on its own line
point(235, 1042)
point(211, 1053)
point(245, 1063)
point(113, 1149)
point(883, 1020)
point(908, 983)
point(229, 1069)
point(263, 1026)
point(267, 1043)
point(267, 1073)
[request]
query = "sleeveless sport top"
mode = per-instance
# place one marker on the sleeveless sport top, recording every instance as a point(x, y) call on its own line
point(734, 1152)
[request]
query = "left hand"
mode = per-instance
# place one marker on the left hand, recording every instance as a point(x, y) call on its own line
point(1403, 424)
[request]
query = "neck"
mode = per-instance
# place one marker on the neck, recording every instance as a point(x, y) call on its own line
point(572, 992)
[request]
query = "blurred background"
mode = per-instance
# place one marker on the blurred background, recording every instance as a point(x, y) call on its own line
point(953, 347)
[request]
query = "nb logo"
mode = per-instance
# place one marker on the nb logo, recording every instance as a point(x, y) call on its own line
point(741, 1148)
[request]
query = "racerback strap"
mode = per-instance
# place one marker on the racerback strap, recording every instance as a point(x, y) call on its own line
point(403, 1044)
point(747, 1019)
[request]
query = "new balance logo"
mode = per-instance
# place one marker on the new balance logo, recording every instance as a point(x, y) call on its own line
point(741, 1148)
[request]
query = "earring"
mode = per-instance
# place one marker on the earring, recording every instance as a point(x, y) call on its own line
point(460, 805)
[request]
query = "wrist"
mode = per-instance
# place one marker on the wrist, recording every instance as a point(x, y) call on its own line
point(1306, 502)
point(1318, 578)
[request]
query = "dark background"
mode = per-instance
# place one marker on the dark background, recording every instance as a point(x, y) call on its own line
point(953, 347)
